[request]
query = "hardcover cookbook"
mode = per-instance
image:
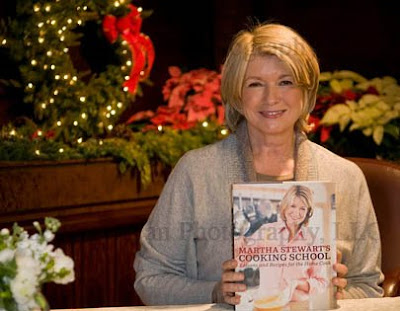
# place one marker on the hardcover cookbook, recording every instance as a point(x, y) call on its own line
point(284, 242)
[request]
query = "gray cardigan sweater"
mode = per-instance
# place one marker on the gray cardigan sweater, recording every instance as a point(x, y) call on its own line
point(189, 232)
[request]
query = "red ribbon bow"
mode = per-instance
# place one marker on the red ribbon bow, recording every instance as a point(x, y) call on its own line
point(141, 47)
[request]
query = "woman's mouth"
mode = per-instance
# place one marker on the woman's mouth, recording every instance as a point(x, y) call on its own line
point(272, 114)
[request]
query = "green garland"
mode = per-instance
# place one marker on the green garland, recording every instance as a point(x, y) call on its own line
point(131, 149)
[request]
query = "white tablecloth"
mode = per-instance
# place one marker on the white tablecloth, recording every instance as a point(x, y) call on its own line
point(370, 304)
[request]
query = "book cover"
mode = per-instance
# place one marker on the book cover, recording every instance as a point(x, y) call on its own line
point(284, 242)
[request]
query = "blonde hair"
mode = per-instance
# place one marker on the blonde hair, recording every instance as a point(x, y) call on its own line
point(302, 192)
point(269, 39)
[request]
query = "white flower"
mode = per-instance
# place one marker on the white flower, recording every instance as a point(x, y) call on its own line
point(5, 231)
point(29, 262)
point(35, 237)
point(25, 284)
point(23, 292)
point(6, 255)
point(48, 235)
point(61, 261)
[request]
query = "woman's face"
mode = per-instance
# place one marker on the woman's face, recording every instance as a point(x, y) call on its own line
point(296, 212)
point(271, 100)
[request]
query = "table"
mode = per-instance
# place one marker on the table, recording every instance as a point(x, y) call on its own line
point(368, 304)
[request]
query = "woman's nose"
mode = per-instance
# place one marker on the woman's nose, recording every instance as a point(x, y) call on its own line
point(271, 95)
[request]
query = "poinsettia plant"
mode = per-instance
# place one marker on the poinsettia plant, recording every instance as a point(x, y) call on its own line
point(191, 97)
point(355, 116)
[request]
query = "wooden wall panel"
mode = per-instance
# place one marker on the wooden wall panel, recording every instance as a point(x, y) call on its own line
point(53, 184)
point(62, 294)
point(126, 247)
point(95, 277)
point(103, 270)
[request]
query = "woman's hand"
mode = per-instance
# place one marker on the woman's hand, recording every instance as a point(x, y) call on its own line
point(340, 281)
point(229, 283)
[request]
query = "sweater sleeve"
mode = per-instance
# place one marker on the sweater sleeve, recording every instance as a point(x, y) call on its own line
point(364, 262)
point(164, 263)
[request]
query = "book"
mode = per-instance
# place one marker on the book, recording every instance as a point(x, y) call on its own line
point(284, 241)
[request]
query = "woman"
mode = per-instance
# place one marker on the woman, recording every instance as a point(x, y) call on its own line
point(269, 85)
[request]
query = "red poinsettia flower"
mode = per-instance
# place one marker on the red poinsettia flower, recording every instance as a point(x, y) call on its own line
point(139, 116)
point(165, 115)
point(171, 117)
point(191, 97)
point(220, 115)
point(372, 90)
point(325, 134)
point(174, 71)
point(183, 125)
point(199, 107)
point(349, 95)
point(313, 121)
point(178, 95)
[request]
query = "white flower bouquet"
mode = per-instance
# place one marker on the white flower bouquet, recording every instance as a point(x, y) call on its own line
point(27, 262)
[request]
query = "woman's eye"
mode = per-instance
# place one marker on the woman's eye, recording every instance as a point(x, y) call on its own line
point(254, 84)
point(286, 83)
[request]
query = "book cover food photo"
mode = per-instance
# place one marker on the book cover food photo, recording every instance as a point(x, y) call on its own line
point(284, 242)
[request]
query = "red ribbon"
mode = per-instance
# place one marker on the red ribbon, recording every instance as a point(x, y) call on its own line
point(142, 49)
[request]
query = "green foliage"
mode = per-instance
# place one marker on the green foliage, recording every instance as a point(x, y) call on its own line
point(131, 149)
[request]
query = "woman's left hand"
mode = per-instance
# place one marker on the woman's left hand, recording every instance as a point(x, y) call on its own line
point(340, 281)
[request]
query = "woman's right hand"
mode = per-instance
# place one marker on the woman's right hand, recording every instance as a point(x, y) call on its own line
point(231, 282)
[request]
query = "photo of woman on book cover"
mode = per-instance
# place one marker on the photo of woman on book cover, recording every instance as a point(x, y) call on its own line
point(289, 255)
point(295, 213)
